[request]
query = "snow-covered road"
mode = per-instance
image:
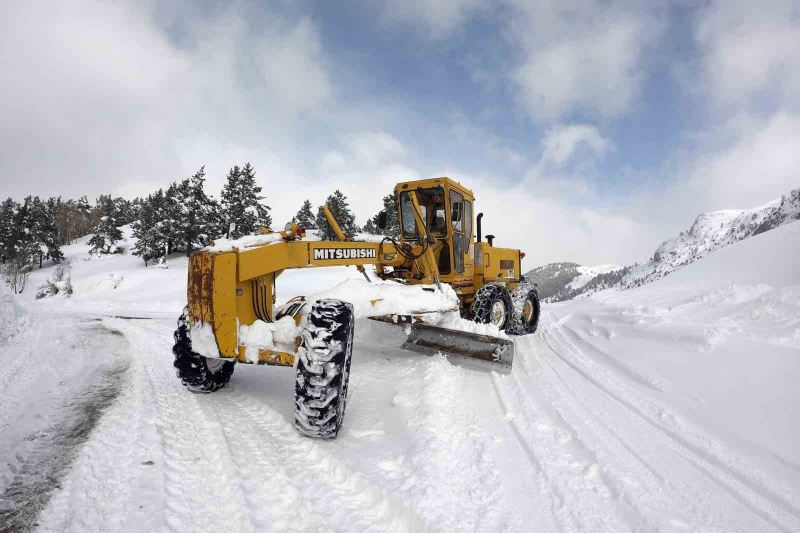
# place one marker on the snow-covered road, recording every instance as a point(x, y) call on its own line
point(672, 407)
point(561, 444)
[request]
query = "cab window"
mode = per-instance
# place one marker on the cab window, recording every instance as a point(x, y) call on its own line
point(432, 208)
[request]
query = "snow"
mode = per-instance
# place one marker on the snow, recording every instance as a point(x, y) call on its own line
point(203, 340)
point(369, 237)
point(384, 298)
point(587, 273)
point(278, 335)
point(667, 407)
point(248, 241)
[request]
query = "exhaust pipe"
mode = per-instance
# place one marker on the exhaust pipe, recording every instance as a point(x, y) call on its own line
point(480, 216)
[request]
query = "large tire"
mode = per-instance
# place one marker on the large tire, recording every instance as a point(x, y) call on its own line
point(526, 309)
point(492, 305)
point(323, 369)
point(199, 374)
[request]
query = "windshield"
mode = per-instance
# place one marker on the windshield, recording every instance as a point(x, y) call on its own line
point(432, 207)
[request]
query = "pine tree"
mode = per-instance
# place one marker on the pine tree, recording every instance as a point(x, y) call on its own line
point(392, 223)
point(83, 222)
point(370, 227)
point(340, 209)
point(7, 234)
point(242, 210)
point(48, 235)
point(198, 215)
point(305, 216)
point(151, 242)
point(106, 234)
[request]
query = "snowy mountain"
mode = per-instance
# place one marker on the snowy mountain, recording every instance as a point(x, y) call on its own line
point(563, 281)
point(709, 232)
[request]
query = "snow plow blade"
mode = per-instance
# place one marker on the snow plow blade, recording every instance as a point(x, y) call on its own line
point(461, 347)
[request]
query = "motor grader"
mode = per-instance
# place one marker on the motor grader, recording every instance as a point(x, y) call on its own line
point(231, 289)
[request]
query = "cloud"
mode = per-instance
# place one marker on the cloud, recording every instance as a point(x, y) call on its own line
point(365, 167)
point(109, 99)
point(292, 67)
point(747, 72)
point(560, 143)
point(549, 227)
point(580, 58)
point(749, 50)
point(760, 165)
point(439, 18)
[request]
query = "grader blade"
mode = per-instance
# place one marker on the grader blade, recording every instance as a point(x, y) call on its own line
point(469, 349)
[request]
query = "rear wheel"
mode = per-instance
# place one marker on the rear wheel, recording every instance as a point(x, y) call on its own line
point(526, 309)
point(323, 369)
point(199, 374)
point(492, 305)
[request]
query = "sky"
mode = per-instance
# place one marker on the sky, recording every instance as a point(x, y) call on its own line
point(589, 131)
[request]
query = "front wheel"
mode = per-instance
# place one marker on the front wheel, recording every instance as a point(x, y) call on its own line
point(492, 305)
point(527, 309)
point(199, 374)
point(323, 369)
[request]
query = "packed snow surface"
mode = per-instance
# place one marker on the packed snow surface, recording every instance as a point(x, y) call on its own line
point(669, 407)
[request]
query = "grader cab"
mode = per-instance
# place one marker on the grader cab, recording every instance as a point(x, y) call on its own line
point(439, 261)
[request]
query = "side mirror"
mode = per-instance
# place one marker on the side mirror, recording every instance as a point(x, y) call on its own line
point(382, 220)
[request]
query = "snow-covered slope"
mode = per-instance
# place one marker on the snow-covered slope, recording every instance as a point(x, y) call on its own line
point(712, 231)
point(588, 273)
point(709, 232)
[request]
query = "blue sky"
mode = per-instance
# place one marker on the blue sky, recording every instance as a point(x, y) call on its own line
point(590, 131)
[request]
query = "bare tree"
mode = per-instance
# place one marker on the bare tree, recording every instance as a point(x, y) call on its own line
point(15, 272)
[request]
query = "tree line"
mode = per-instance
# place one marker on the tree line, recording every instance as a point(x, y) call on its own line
point(178, 218)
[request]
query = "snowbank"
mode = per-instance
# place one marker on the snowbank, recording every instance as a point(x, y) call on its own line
point(721, 337)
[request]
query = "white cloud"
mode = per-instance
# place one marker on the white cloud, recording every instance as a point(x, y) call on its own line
point(96, 96)
point(292, 67)
point(750, 49)
point(762, 164)
point(439, 18)
point(580, 57)
point(561, 142)
point(549, 227)
point(366, 166)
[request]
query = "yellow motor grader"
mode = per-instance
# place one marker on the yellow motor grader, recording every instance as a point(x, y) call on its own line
point(231, 290)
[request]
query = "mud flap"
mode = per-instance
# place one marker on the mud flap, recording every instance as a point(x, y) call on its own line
point(461, 347)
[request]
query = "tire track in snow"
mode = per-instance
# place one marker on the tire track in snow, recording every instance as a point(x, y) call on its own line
point(658, 500)
point(584, 501)
point(222, 450)
point(100, 489)
point(310, 477)
point(199, 486)
point(449, 471)
point(762, 502)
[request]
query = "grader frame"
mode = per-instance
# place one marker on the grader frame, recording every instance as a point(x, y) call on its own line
point(237, 287)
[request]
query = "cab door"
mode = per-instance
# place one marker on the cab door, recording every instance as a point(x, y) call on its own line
point(458, 222)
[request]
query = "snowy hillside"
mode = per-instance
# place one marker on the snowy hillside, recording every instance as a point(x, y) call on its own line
point(667, 407)
point(709, 232)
